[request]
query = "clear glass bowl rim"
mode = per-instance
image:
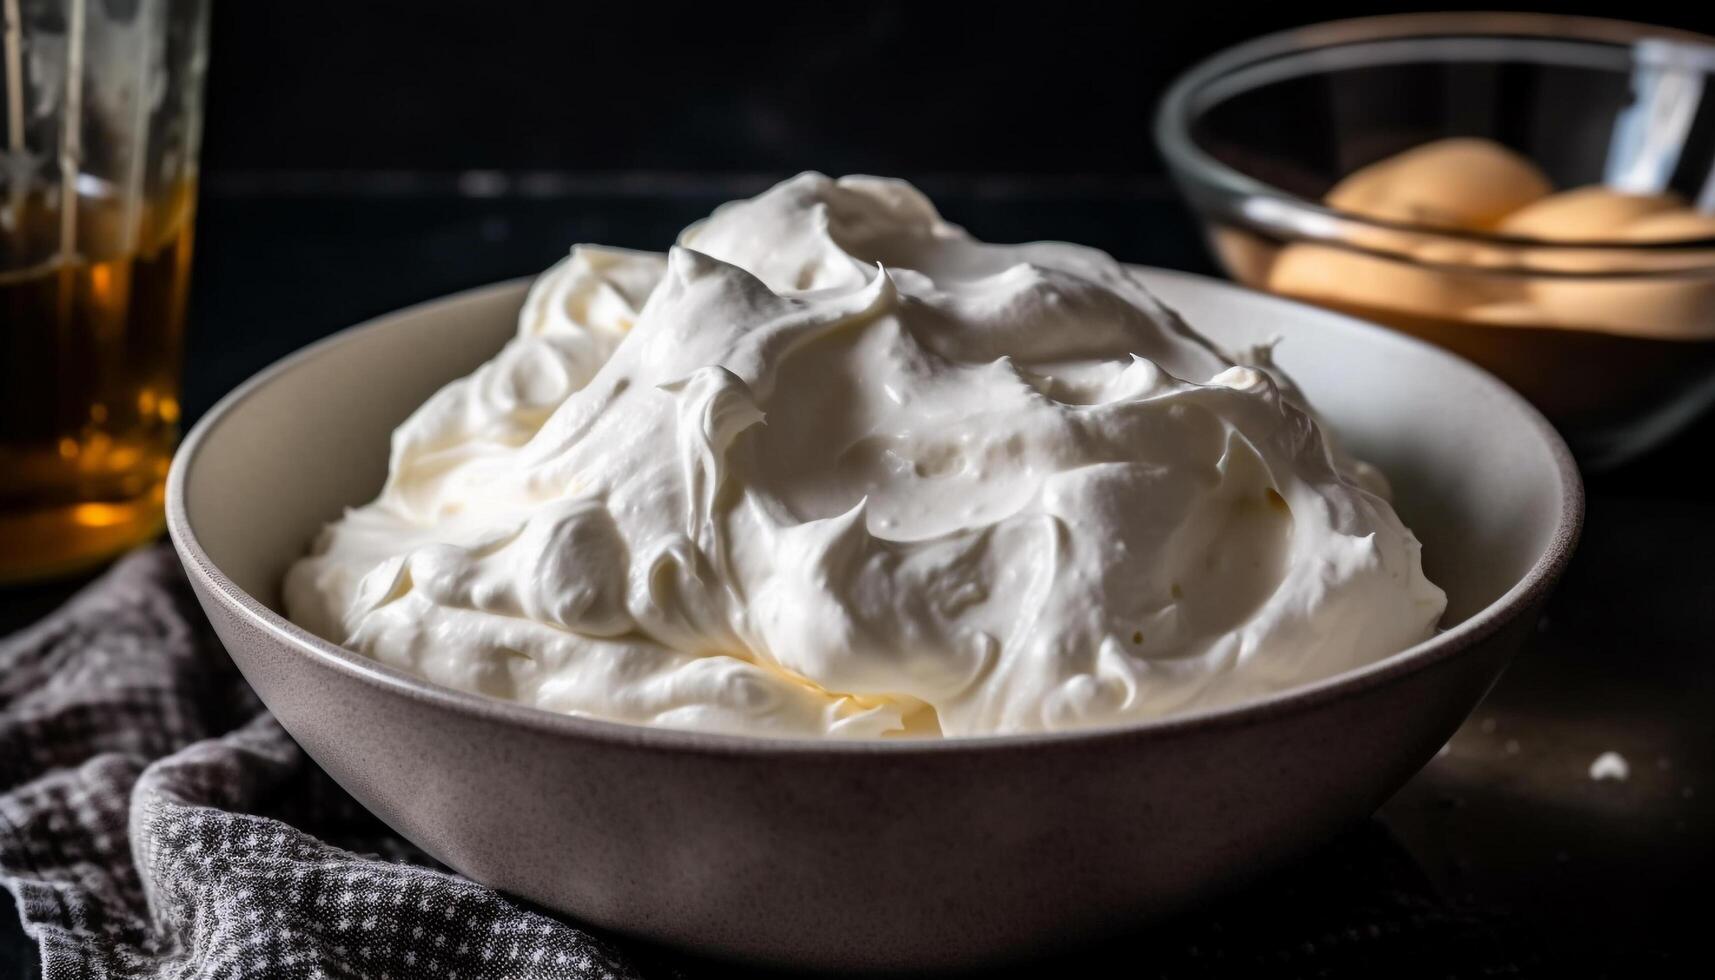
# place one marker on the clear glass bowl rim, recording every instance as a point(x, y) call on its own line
point(1191, 164)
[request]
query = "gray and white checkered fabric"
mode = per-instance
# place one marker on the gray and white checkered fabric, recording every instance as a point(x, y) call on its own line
point(155, 821)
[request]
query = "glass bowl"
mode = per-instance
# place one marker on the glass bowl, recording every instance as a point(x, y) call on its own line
point(1612, 337)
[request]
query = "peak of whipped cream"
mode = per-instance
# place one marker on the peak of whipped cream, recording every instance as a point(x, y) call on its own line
point(832, 467)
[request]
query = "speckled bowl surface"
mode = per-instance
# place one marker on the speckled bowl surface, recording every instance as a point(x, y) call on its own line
point(878, 854)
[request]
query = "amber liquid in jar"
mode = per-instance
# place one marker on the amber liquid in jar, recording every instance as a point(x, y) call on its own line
point(90, 348)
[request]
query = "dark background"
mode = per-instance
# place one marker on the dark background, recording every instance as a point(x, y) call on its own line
point(904, 89)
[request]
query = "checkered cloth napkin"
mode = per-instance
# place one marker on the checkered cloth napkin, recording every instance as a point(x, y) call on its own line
point(155, 821)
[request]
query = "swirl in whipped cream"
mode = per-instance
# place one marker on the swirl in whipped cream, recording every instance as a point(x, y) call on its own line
point(833, 467)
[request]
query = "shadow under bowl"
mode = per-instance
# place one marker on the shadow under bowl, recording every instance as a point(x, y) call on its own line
point(872, 854)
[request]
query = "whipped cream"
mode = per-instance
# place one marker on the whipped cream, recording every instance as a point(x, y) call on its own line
point(832, 467)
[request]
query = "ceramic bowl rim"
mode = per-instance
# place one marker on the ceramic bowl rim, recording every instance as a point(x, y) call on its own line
point(1516, 601)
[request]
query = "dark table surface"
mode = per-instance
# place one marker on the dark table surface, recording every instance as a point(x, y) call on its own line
point(1507, 825)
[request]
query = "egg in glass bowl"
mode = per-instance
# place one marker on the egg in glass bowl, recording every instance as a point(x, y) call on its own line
point(1533, 192)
